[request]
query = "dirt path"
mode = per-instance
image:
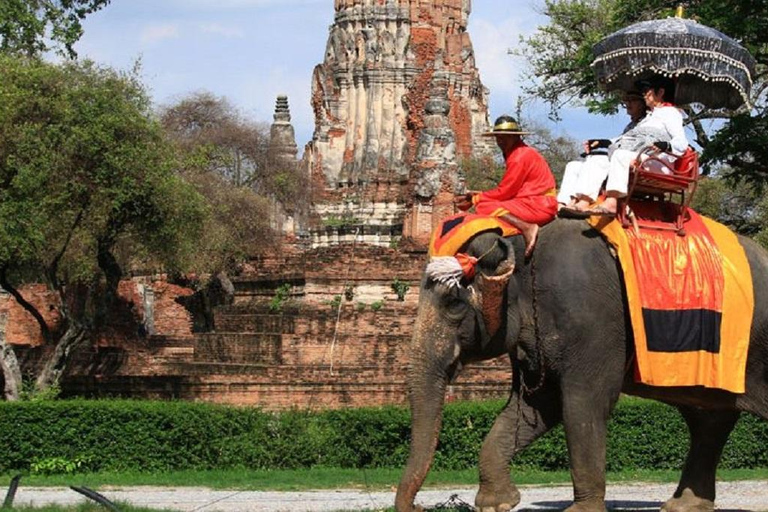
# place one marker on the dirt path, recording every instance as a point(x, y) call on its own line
point(733, 497)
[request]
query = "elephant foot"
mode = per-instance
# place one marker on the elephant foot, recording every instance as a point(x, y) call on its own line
point(497, 500)
point(688, 502)
point(587, 506)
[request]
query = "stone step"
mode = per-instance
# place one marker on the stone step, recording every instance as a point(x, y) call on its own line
point(253, 323)
point(238, 348)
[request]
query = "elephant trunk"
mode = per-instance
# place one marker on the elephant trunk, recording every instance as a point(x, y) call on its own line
point(434, 358)
point(426, 393)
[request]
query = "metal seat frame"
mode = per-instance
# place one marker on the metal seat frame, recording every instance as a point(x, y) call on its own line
point(648, 185)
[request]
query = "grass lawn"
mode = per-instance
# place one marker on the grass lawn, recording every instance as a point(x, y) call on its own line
point(332, 478)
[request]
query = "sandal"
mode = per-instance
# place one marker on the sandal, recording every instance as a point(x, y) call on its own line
point(600, 211)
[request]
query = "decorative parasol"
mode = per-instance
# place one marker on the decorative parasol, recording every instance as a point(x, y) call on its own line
point(708, 67)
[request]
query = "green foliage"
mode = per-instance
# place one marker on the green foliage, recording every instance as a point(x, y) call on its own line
point(224, 155)
point(334, 303)
point(377, 305)
point(560, 53)
point(60, 466)
point(28, 26)
point(30, 393)
point(400, 288)
point(282, 295)
point(80, 436)
point(84, 170)
point(341, 221)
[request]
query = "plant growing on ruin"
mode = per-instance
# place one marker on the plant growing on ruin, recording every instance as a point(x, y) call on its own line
point(375, 306)
point(282, 295)
point(400, 288)
point(349, 293)
point(341, 221)
point(335, 303)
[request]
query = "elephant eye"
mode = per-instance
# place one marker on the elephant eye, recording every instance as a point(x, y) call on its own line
point(454, 305)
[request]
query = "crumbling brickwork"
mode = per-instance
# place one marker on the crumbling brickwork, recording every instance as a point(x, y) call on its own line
point(398, 103)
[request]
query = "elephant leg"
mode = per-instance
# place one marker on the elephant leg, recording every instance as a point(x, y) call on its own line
point(709, 432)
point(586, 407)
point(521, 422)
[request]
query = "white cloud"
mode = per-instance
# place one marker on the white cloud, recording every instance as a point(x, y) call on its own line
point(499, 71)
point(155, 33)
point(222, 30)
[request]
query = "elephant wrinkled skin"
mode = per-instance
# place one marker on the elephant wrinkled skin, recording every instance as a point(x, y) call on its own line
point(573, 374)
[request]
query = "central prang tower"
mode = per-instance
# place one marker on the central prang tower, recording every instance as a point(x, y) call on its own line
point(398, 103)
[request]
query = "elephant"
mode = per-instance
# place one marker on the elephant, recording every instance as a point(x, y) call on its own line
point(563, 320)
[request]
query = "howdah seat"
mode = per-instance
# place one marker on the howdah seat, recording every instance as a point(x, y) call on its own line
point(657, 200)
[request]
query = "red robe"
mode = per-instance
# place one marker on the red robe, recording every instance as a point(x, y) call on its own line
point(527, 190)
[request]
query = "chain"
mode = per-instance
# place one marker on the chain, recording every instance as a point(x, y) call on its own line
point(524, 389)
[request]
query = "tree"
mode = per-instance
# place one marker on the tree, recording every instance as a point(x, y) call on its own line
point(226, 156)
point(86, 187)
point(25, 25)
point(211, 130)
point(560, 54)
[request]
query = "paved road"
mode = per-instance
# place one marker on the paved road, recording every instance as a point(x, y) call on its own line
point(733, 497)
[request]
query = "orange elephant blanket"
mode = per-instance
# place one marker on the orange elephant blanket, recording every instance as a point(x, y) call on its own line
point(455, 231)
point(690, 302)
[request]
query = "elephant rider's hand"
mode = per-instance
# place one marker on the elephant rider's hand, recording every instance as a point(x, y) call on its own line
point(463, 201)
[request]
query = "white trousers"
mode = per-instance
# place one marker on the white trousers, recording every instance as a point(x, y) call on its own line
point(618, 174)
point(583, 178)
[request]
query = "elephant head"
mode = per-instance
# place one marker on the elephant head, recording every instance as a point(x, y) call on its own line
point(459, 321)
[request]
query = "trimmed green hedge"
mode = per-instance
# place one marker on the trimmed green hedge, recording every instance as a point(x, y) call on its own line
point(123, 435)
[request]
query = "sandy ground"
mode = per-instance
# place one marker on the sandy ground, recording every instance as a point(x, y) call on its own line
point(732, 497)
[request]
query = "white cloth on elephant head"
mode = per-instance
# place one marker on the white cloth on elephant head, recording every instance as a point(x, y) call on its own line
point(446, 270)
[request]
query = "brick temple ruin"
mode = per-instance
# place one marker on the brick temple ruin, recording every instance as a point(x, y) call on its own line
point(398, 102)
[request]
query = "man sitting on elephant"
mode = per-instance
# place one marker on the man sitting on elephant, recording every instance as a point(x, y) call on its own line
point(526, 195)
point(583, 179)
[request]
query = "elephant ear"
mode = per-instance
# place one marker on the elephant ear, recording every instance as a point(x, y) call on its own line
point(490, 288)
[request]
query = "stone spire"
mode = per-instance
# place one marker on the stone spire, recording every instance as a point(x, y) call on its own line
point(282, 139)
point(397, 95)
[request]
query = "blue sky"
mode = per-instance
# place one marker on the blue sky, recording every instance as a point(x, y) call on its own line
point(252, 50)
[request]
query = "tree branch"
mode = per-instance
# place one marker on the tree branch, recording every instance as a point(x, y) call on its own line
point(32, 310)
point(53, 268)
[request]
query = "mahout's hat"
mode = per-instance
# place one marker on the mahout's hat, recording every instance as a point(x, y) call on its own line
point(505, 125)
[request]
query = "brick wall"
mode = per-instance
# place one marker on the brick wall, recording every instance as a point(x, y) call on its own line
point(309, 354)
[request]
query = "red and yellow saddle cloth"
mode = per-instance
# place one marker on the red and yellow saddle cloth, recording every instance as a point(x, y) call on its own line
point(690, 302)
point(455, 231)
